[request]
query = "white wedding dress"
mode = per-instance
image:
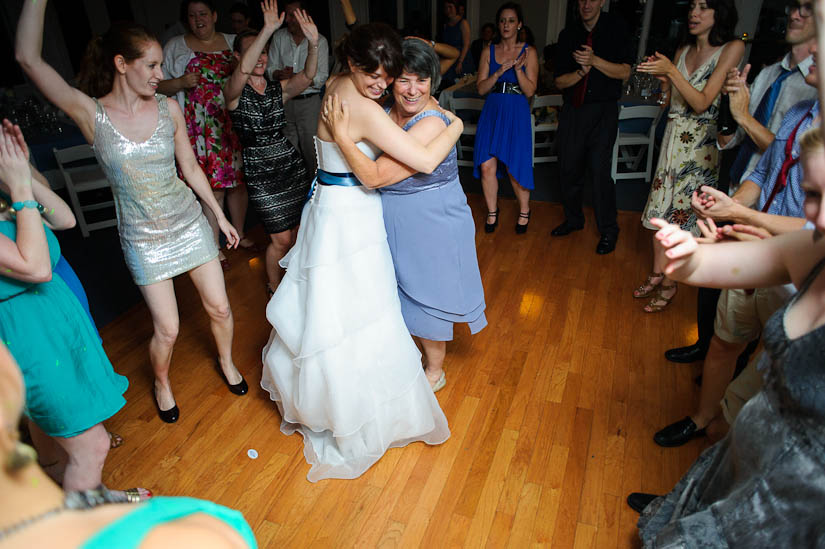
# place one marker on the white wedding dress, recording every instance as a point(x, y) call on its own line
point(340, 363)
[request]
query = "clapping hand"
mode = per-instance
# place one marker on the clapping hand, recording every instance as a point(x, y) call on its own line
point(272, 21)
point(657, 65)
point(736, 86)
point(17, 134)
point(14, 164)
point(307, 26)
point(714, 204)
point(335, 114)
point(520, 61)
point(584, 56)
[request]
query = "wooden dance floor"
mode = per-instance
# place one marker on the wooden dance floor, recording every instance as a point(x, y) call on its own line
point(552, 409)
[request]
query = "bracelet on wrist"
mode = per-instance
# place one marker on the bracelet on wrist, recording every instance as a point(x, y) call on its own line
point(20, 206)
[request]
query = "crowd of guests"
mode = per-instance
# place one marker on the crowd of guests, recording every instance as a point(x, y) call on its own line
point(363, 283)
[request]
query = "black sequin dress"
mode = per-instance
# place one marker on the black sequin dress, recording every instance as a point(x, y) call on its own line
point(276, 176)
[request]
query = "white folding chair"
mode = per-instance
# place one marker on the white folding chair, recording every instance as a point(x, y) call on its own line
point(82, 174)
point(644, 141)
point(470, 128)
point(545, 129)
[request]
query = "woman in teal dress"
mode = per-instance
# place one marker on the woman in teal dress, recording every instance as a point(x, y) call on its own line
point(33, 509)
point(70, 384)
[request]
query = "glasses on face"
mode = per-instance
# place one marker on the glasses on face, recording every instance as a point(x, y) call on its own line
point(806, 9)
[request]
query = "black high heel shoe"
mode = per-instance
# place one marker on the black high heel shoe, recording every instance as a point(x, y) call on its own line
point(521, 229)
point(168, 416)
point(240, 388)
point(490, 227)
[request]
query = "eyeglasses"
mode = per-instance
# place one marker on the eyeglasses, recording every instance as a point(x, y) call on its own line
point(805, 9)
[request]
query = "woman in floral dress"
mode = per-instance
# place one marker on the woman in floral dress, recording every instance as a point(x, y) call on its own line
point(196, 64)
point(688, 158)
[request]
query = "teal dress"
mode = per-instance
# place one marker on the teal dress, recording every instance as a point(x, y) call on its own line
point(129, 531)
point(70, 383)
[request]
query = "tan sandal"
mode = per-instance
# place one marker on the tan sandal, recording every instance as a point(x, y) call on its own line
point(648, 288)
point(659, 301)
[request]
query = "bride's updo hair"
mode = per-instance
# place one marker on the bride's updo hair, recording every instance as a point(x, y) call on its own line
point(371, 46)
point(97, 71)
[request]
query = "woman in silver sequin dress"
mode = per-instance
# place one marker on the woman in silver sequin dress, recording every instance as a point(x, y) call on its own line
point(137, 136)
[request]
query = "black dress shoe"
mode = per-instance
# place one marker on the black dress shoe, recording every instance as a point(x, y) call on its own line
point(491, 227)
point(677, 434)
point(169, 416)
point(639, 500)
point(607, 243)
point(565, 229)
point(686, 355)
point(240, 388)
point(521, 229)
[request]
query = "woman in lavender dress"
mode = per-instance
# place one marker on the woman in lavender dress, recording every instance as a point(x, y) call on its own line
point(429, 225)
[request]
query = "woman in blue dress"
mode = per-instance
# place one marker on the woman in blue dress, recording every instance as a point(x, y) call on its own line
point(508, 72)
point(429, 225)
point(456, 33)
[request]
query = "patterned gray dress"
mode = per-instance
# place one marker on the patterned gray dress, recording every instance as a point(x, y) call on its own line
point(276, 176)
point(764, 484)
point(163, 231)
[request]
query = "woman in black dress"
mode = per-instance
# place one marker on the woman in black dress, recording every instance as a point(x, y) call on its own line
point(276, 177)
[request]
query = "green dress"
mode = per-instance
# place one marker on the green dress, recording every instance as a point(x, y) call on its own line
point(129, 531)
point(70, 383)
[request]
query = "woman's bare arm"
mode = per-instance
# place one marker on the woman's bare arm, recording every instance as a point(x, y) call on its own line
point(28, 52)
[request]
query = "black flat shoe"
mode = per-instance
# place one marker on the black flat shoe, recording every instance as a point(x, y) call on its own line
point(240, 388)
point(639, 500)
point(564, 229)
point(168, 416)
point(677, 434)
point(521, 229)
point(490, 227)
point(607, 243)
point(686, 355)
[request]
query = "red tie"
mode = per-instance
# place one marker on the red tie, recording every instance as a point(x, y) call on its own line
point(782, 178)
point(581, 88)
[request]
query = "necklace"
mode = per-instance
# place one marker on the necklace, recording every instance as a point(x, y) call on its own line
point(14, 528)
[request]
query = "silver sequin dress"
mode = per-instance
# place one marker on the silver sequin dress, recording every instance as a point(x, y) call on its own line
point(163, 231)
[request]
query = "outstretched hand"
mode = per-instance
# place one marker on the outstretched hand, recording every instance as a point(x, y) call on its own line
point(657, 65)
point(272, 21)
point(678, 245)
point(307, 26)
point(14, 162)
point(335, 114)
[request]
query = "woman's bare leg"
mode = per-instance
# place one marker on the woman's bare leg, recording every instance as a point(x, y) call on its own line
point(489, 186)
point(278, 247)
point(523, 198)
point(208, 280)
point(160, 298)
point(434, 353)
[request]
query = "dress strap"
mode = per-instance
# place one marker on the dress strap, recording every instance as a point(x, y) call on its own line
point(424, 114)
point(812, 276)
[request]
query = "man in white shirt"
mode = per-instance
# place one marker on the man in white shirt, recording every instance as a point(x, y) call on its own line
point(287, 55)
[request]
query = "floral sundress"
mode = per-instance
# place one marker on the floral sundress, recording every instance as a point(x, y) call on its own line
point(209, 127)
point(688, 157)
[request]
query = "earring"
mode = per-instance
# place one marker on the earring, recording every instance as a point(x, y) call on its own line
point(21, 456)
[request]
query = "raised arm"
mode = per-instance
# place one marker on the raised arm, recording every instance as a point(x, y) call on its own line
point(195, 177)
point(301, 81)
point(27, 258)
point(28, 52)
point(699, 101)
point(447, 55)
point(234, 85)
point(529, 77)
point(349, 14)
point(373, 124)
point(385, 170)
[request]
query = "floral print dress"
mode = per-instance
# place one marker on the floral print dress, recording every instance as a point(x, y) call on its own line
point(209, 127)
point(688, 157)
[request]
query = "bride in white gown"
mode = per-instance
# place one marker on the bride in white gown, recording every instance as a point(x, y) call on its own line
point(340, 363)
